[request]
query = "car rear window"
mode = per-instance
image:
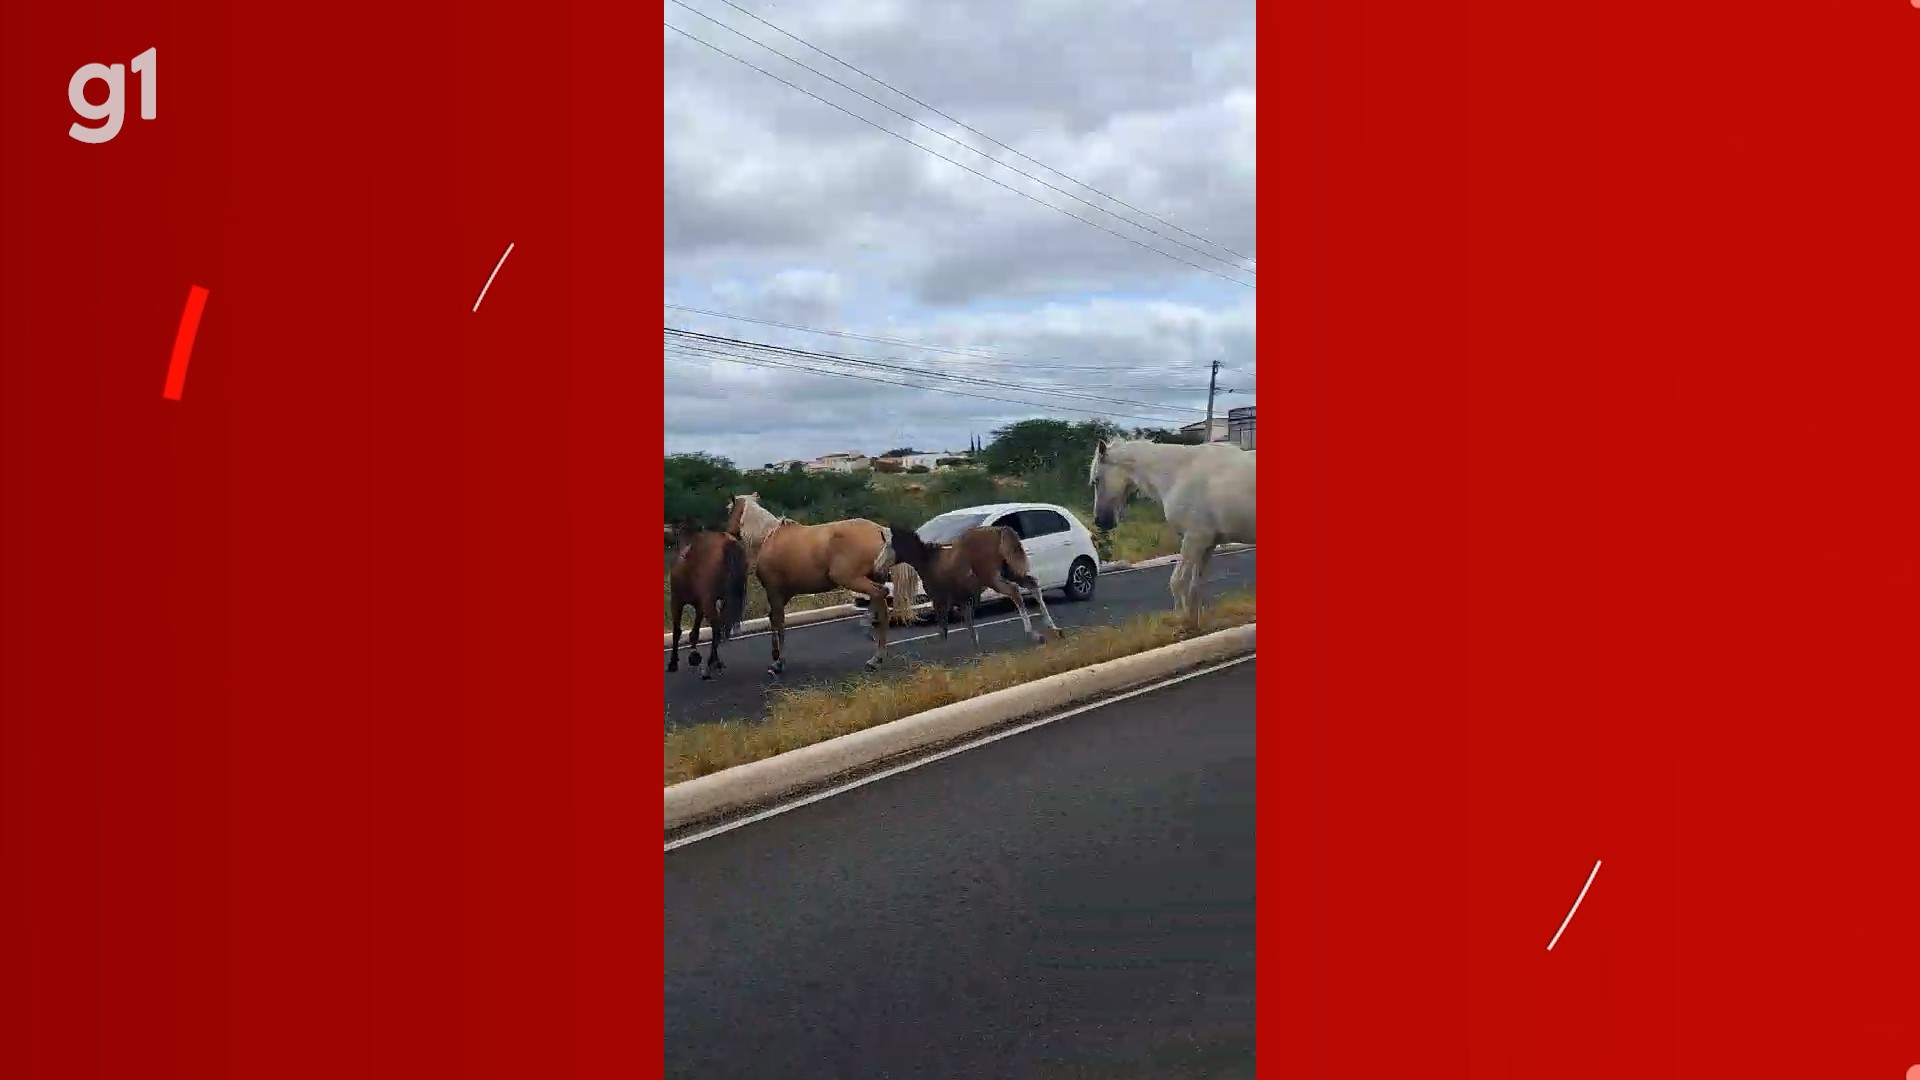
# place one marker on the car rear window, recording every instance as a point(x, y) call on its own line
point(947, 528)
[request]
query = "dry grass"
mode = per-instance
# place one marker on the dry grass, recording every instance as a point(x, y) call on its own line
point(798, 718)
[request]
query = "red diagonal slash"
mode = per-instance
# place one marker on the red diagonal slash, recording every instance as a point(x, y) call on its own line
point(183, 342)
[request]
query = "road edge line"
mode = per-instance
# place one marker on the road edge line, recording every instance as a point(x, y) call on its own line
point(757, 783)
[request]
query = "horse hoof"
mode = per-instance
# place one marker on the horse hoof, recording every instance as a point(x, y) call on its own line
point(707, 675)
point(673, 665)
point(1039, 639)
point(694, 659)
point(774, 670)
point(872, 665)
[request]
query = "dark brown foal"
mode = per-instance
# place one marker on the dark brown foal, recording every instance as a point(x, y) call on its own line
point(710, 576)
point(984, 557)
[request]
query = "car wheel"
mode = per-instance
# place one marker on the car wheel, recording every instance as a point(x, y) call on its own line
point(1080, 579)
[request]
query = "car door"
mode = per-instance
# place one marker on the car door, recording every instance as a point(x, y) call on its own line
point(1047, 537)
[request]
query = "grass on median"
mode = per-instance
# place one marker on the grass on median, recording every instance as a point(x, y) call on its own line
point(797, 718)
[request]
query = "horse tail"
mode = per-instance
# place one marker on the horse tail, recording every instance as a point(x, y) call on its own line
point(1013, 560)
point(905, 584)
point(733, 569)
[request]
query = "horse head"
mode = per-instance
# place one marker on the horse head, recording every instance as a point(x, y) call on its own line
point(737, 511)
point(1112, 481)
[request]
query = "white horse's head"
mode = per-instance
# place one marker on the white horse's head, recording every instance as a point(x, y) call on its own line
point(1112, 480)
point(737, 511)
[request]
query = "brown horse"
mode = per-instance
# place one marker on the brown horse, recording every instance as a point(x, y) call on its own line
point(983, 557)
point(792, 559)
point(710, 576)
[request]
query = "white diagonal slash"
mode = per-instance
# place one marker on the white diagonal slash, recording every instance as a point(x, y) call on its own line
point(490, 277)
point(1576, 906)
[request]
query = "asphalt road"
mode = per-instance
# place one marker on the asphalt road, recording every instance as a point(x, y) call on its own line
point(1071, 901)
point(825, 652)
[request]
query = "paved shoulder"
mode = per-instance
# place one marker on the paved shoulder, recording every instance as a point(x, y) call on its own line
point(1077, 900)
point(826, 652)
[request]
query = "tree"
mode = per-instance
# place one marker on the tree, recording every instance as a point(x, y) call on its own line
point(698, 487)
point(900, 451)
point(1045, 446)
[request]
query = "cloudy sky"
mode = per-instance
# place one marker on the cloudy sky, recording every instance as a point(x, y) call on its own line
point(781, 209)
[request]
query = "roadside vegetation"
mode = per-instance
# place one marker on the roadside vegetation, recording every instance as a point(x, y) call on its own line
point(1032, 460)
point(797, 718)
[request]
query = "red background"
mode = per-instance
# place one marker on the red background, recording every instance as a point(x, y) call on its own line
point(325, 749)
point(1590, 492)
point(325, 725)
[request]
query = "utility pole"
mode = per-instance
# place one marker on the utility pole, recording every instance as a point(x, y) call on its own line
point(1212, 380)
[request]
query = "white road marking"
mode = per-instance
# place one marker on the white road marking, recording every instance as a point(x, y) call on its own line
point(1576, 906)
point(961, 749)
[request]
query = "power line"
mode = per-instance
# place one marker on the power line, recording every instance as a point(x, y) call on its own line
point(767, 362)
point(984, 357)
point(882, 82)
point(896, 135)
point(905, 371)
point(836, 358)
point(919, 123)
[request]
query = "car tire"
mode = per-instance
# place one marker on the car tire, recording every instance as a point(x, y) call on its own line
point(1080, 580)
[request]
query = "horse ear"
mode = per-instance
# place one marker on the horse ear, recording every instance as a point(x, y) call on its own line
point(1101, 451)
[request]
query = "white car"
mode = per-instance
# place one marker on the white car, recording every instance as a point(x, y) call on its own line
point(1059, 549)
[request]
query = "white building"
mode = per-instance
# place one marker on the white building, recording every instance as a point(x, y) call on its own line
point(1193, 431)
point(847, 462)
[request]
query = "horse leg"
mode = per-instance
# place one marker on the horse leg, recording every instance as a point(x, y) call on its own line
point(1177, 583)
point(776, 631)
point(1012, 592)
point(1044, 613)
point(713, 646)
point(944, 606)
point(1195, 552)
point(693, 639)
point(966, 608)
point(877, 603)
point(673, 658)
point(1199, 577)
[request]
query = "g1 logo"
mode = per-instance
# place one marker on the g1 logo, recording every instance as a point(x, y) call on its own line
point(114, 109)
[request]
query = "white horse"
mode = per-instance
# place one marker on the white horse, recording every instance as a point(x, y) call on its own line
point(1206, 491)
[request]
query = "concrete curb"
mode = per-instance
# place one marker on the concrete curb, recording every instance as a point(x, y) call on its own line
point(760, 782)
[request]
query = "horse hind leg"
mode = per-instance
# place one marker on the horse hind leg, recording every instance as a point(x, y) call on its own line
point(882, 609)
point(693, 640)
point(1040, 599)
point(714, 666)
point(673, 657)
point(1012, 592)
point(776, 632)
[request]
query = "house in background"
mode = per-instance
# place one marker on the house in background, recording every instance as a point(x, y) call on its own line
point(1196, 430)
point(932, 459)
point(851, 461)
point(1240, 427)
